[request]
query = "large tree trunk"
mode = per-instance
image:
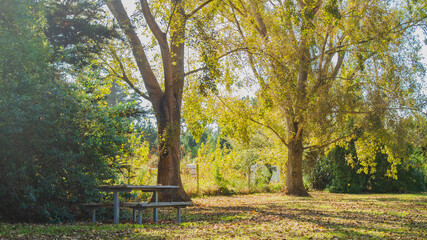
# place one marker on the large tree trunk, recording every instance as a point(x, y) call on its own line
point(294, 183)
point(166, 103)
point(168, 173)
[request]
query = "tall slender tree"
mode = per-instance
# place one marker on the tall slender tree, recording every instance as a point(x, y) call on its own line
point(163, 90)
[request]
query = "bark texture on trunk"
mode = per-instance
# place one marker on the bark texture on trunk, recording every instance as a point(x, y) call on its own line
point(294, 183)
point(168, 172)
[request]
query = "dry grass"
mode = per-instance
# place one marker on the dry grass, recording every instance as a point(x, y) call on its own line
point(262, 216)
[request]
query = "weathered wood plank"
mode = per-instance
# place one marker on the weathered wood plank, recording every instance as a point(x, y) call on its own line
point(138, 204)
point(156, 205)
point(128, 188)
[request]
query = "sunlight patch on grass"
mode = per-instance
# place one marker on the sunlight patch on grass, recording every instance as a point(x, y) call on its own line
point(261, 216)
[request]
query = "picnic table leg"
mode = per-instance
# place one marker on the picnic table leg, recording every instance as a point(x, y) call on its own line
point(93, 211)
point(178, 214)
point(155, 210)
point(116, 207)
point(134, 214)
point(140, 217)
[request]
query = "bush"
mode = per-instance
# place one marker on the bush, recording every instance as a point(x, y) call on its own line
point(333, 173)
point(55, 138)
point(409, 179)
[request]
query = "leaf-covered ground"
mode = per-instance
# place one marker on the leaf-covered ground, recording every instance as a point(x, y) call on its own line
point(261, 216)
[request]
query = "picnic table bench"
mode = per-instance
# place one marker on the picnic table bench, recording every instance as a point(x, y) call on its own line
point(136, 206)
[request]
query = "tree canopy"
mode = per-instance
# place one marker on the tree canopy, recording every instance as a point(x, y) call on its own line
point(325, 70)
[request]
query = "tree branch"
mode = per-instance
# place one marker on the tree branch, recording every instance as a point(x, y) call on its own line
point(254, 121)
point(222, 56)
point(329, 143)
point(234, 7)
point(250, 56)
point(262, 29)
point(337, 68)
point(271, 129)
point(299, 133)
point(124, 75)
point(322, 54)
point(150, 81)
point(198, 8)
point(152, 24)
point(320, 78)
point(127, 80)
point(160, 37)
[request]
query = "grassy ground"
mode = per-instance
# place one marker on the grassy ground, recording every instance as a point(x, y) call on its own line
point(261, 216)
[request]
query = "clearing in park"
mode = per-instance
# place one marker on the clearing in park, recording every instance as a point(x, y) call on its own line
point(261, 216)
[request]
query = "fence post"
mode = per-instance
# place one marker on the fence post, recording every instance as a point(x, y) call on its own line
point(249, 179)
point(197, 176)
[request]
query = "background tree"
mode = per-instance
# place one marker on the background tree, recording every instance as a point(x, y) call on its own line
point(76, 29)
point(325, 70)
point(167, 22)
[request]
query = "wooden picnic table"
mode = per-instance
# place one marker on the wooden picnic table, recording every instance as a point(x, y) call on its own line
point(116, 189)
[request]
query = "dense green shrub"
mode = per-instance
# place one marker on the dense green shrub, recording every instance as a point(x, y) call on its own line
point(409, 179)
point(55, 138)
point(333, 173)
